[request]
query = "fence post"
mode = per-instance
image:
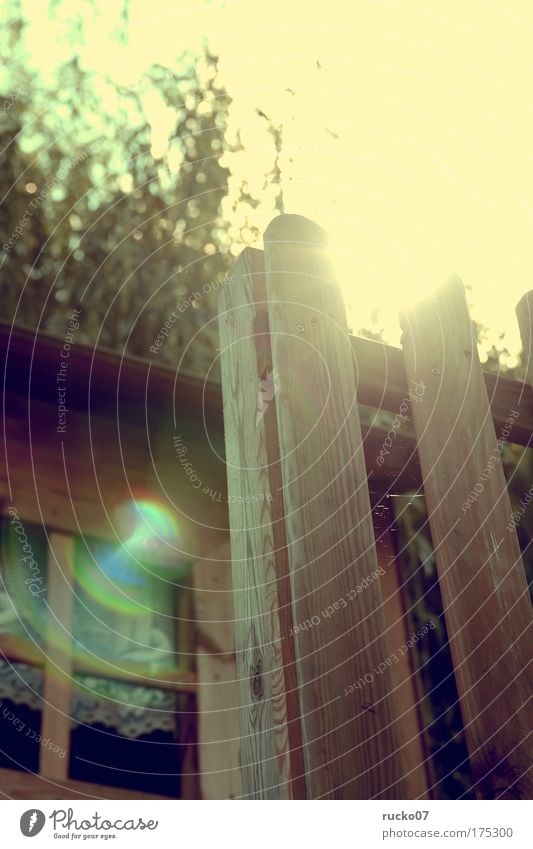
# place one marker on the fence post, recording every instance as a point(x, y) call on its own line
point(479, 564)
point(218, 724)
point(407, 692)
point(348, 734)
point(58, 668)
point(271, 755)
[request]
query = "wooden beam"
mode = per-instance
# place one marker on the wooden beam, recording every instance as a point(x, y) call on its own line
point(380, 372)
point(15, 784)
point(101, 378)
point(350, 745)
point(406, 686)
point(382, 383)
point(74, 481)
point(57, 678)
point(481, 574)
point(218, 698)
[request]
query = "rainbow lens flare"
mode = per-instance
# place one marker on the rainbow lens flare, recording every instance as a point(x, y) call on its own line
point(119, 589)
point(127, 577)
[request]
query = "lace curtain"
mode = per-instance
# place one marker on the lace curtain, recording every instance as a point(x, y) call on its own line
point(124, 613)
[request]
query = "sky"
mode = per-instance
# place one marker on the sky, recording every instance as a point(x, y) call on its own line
point(407, 130)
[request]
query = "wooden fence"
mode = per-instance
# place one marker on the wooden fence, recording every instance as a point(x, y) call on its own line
point(315, 592)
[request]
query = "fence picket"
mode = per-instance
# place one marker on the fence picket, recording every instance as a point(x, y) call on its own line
point(480, 569)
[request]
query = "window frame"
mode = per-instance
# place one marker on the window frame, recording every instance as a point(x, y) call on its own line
point(58, 668)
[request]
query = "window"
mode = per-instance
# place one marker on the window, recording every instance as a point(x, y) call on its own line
point(96, 680)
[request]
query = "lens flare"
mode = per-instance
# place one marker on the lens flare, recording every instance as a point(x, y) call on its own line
point(118, 588)
point(149, 528)
point(125, 577)
point(110, 577)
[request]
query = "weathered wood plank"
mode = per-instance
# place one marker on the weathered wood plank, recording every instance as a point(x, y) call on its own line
point(380, 372)
point(382, 382)
point(406, 687)
point(480, 569)
point(15, 784)
point(349, 738)
point(271, 756)
point(57, 683)
point(218, 697)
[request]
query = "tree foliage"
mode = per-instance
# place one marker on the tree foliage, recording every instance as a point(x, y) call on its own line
point(111, 201)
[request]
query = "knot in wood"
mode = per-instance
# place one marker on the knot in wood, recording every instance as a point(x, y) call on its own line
point(256, 680)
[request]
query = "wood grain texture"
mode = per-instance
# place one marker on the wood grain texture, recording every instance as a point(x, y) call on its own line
point(218, 697)
point(57, 678)
point(407, 689)
point(480, 569)
point(382, 383)
point(271, 756)
point(524, 313)
point(349, 738)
